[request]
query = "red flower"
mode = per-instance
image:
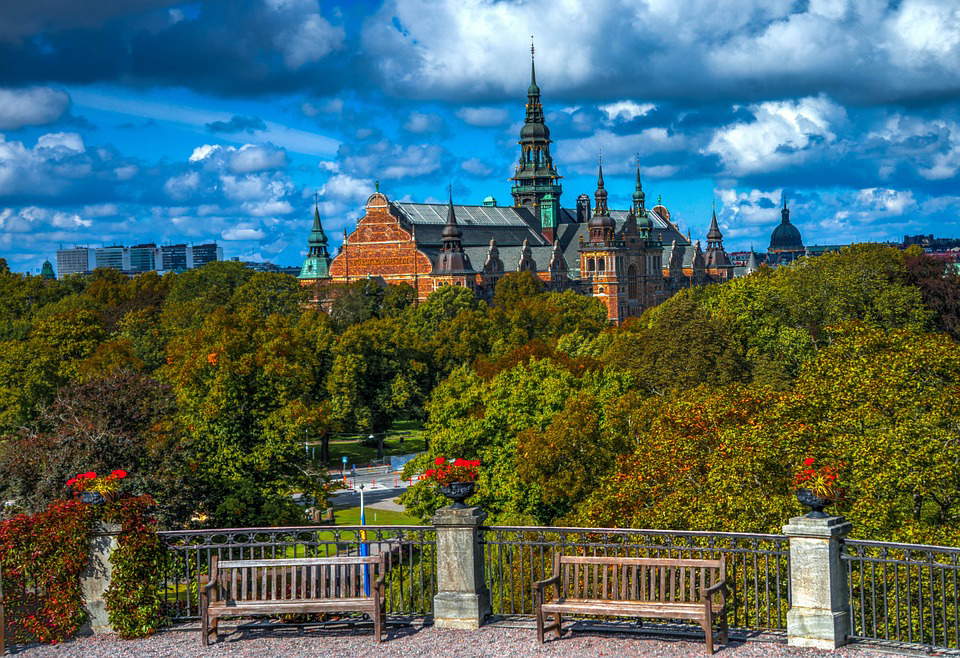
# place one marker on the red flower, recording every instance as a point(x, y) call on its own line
point(439, 461)
point(71, 482)
point(808, 461)
point(89, 475)
point(119, 474)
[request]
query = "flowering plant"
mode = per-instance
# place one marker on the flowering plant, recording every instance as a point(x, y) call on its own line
point(89, 481)
point(450, 471)
point(822, 481)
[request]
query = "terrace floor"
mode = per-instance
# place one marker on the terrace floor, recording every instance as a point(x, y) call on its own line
point(501, 639)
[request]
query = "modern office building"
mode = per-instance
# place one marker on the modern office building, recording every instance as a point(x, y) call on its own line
point(143, 257)
point(175, 258)
point(206, 253)
point(115, 257)
point(78, 260)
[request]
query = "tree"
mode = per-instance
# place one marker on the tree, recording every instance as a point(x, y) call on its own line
point(268, 293)
point(515, 286)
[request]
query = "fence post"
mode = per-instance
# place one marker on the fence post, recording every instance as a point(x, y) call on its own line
point(819, 614)
point(96, 578)
point(462, 600)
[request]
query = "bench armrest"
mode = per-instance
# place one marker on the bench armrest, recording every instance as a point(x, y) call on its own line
point(541, 585)
point(720, 588)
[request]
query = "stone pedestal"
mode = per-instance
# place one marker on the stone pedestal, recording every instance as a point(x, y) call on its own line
point(96, 579)
point(819, 613)
point(462, 599)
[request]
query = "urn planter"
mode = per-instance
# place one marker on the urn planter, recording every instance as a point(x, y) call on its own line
point(814, 502)
point(458, 492)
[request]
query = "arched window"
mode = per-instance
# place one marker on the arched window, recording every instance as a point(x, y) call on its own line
point(600, 265)
point(590, 265)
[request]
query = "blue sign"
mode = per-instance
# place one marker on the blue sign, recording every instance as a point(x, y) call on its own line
point(344, 458)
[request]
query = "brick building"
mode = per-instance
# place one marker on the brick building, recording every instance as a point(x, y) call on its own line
point(629, 259)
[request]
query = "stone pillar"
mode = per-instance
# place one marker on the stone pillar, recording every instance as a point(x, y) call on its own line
point(819, 614)
point(96, 578)
point(462, 599)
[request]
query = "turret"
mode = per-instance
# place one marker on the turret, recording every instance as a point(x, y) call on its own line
point(317, 263)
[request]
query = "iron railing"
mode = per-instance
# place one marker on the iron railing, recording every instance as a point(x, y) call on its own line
point(411, 561)
point(758, 570)
point(904, 593)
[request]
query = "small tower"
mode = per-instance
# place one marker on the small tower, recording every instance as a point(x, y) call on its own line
point(601, 257)
point(317, 263)
point(583, 209)
point(717, 262)
point(639, 198)
point(46, 271)
point(751, 263)
point(452, 258)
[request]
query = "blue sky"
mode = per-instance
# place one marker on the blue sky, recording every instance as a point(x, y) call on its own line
point(127, 121)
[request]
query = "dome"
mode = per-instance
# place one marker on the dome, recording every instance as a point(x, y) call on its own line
point(534, 131)
point(602, 221)
point(786, 237)
point(644, 221)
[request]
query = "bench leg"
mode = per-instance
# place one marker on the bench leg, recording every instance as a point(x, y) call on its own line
point(539, 624)
point(724, 630)
point(708, 630)
point(378, 626)
point(205, 628)
point(556, 618)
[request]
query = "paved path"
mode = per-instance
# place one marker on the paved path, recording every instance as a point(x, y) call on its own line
point(494, 641)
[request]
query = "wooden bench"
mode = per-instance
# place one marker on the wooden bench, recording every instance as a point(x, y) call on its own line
point(292, 586)
point(635, 587)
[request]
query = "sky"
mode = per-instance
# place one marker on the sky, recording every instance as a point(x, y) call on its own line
point(131, 121)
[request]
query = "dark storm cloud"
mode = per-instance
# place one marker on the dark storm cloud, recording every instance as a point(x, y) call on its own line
point(19, 19)
point(225, 46)
point(238, 124)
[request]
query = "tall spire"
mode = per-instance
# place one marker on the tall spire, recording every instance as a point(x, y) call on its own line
point(451, 230)
point(639, 198)
point(317, 263)
point(785, 212)
point(600, 196)
point(533, 69)
point(452, 259)
point(714, 234)
point(535, 174)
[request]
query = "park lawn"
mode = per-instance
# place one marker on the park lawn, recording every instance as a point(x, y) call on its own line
point(356, 452)
point(351, 516)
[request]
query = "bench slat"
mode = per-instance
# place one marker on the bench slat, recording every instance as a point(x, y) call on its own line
point(600, 559)
point(627, 608)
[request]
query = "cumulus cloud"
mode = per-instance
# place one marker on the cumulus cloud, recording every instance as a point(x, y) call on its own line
point(420, 122)
point(626, 110)
point(240, 160)
point(34, 106)
point(341, 187)
point(783, 133)
point(619, 150)
point(695, 49)
point(242, 234)
point(483, 116)
point(386, 160)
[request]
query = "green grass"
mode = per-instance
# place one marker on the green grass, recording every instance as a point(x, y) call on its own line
point(351, 516)
point(356, 452)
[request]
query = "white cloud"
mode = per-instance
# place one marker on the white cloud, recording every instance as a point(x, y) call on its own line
point(183, 186)
point(67, 141)
point(626, 110)
point(33, 106)
point(419, 122)
point(306, 36)
point(241, 160)
point(242, 234)
point(483, 116)
point(476, 166)
point(885, 201)
point(386, 160)
point(341, 187)
point(784, 133)
point(619, 151)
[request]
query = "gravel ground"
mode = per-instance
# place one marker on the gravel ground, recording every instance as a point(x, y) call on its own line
point(501, 640)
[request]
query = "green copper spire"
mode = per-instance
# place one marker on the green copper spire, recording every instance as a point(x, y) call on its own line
point(535, 174)
point(47, 271)
point(317, 263)
point(639, 198)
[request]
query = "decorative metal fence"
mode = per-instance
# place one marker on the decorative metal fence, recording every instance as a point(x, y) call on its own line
point(410, 550)
point(904, 593)
point(758, 569)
